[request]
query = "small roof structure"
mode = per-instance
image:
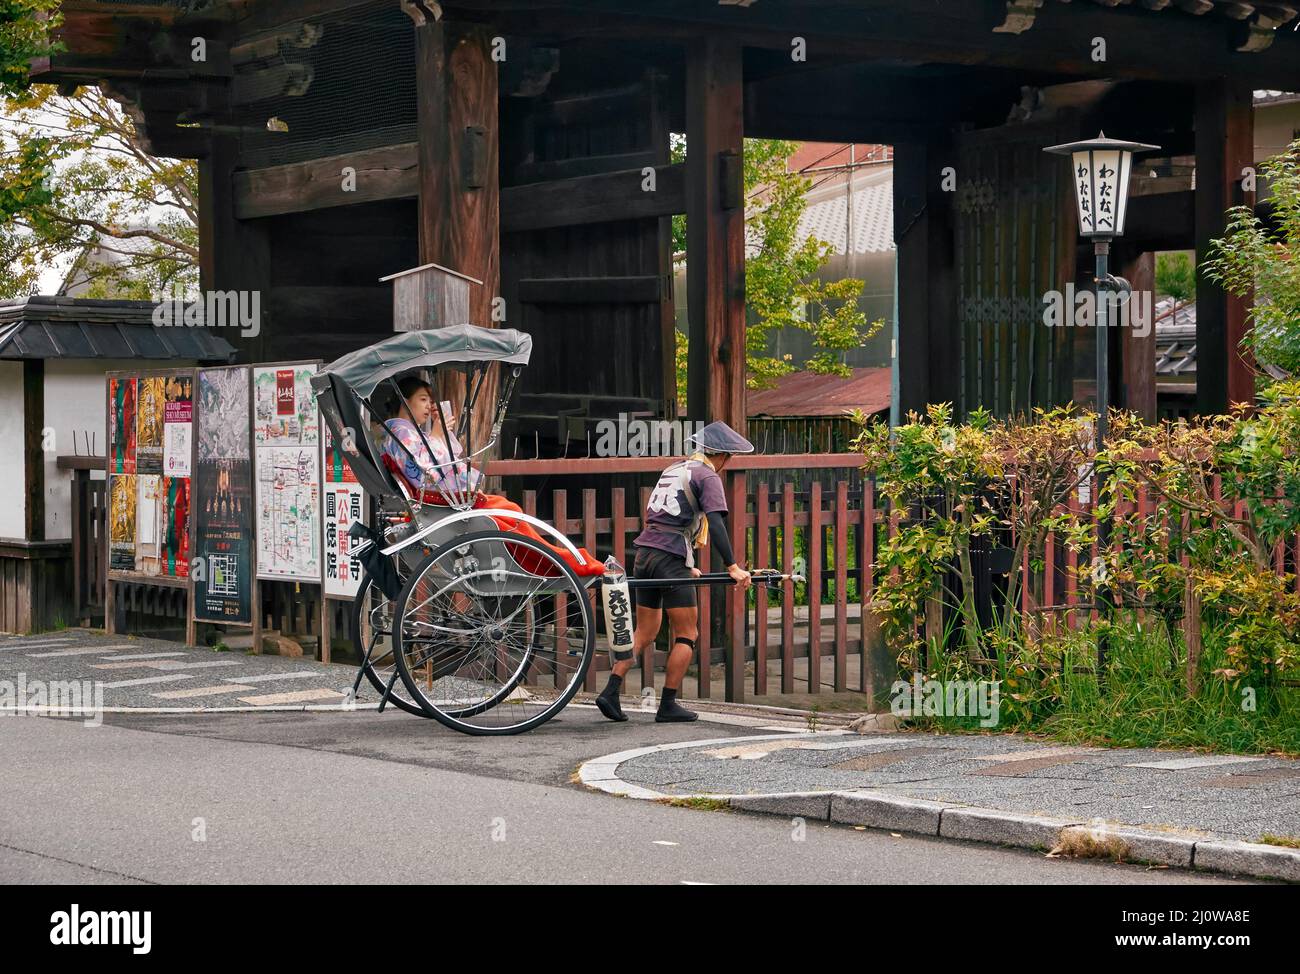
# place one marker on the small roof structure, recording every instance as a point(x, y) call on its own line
point(456, 344)
point(803, 394)
point(45, 327)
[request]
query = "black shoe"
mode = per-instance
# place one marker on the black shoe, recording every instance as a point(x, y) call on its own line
point(609, 706)
point(671, 712)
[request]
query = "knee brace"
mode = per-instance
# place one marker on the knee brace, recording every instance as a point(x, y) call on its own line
point(689, 643)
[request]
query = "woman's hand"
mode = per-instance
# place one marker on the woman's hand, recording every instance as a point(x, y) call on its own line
point(740, 575)
point(695, 573)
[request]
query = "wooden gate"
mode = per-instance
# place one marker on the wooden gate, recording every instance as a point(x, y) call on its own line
point(1015, 241)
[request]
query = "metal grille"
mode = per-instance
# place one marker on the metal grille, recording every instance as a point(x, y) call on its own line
point(340, 83)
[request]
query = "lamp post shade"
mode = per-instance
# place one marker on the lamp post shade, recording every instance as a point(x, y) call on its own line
point(1101, 169)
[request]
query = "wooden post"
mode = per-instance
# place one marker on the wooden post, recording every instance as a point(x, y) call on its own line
point(1224, 147)
point(233, 254)
point(715, 227)
point(33, 453)
point(1138, 351)
point(458, 146)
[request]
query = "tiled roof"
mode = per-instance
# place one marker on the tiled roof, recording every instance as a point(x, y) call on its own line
point(77, 328)
point(809, 394)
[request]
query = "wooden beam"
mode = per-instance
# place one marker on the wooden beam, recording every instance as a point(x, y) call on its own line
point(647, 289)
point(715, 222)
point(593, 199)
point(537, 172)
point(1165, 47)
point(1161, 221)
point(1224, 147)
point(391, 172)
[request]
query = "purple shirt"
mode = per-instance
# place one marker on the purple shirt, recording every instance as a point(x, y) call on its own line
point(669, 512)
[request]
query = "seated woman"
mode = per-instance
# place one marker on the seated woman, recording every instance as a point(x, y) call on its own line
point(405, 452)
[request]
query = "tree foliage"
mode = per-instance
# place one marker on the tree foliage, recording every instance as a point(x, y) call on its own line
point(25, 27)
point(1255, 255)
point(781, 286)
point(74, 177)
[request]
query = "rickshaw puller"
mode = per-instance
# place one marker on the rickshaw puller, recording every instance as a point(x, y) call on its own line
point(686, 509)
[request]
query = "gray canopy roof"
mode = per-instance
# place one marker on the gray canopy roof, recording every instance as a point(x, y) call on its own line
point(367, 367)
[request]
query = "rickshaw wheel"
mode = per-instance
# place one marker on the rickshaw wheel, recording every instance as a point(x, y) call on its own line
point(372, 624)
point(487, 646)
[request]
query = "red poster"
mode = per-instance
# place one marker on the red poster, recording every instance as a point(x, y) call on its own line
point(285, 402)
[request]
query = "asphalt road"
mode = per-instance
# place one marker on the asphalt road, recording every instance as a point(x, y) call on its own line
point(363, 797)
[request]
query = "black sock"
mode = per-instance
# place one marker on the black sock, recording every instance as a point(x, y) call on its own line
point(613, 686)
point(668, 699)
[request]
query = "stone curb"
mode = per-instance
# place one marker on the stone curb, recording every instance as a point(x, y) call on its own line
point(918, 816)
point(898, 813)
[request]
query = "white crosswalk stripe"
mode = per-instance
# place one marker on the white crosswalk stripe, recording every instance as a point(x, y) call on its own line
point(259, 677)
point(119, 684)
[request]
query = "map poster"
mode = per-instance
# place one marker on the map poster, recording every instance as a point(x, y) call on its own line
point(178, 425)
point(344, 503)
point(121, 522)
point(150, 399)
point(121, 425)
point(222, 498)
point(174, 529)
point(288, 512)
point(286, 441)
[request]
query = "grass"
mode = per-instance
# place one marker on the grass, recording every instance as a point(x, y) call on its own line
point(699, 802)
point(1287, 841)
point(1141, 703)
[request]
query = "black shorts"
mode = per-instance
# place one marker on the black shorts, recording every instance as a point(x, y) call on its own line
point(654, 563)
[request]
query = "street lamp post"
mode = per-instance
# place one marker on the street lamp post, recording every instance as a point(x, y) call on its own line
point(1100, 169)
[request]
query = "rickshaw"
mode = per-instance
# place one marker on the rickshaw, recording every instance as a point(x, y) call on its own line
point(459, 616)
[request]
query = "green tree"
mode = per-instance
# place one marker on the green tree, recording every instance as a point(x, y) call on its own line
point(25, 27)
point(1176, 278)
point(781, 286)
point(1265, 258)
point(74, 177)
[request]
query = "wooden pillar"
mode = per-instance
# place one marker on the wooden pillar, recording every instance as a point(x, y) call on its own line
point(1224, 147)
point(715, 231)
point(233, 254)
point(33, 451)
point(1138, 351)
point(944, 331)
point(456, 82)
point(912, 231)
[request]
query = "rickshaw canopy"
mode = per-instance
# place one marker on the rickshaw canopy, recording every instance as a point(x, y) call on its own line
point(365, 368)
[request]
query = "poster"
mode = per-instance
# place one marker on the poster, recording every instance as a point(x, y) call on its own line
point(178, 425)
point(121, 425)
point(343, 505)
point(121, 524)
point(286, 438)
point(150, 398)
point(345, 502)
point(174, 527)
point(285, 412)
point(147, 513)
point(223, 507)
point(288, 512)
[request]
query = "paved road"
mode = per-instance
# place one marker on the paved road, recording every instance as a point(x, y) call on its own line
point(362, 797)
